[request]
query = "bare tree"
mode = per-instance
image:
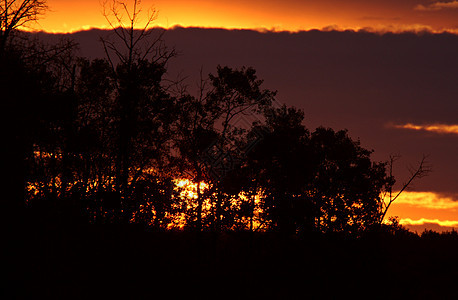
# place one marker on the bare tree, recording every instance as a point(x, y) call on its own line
point(421, 170)
point(15, 14)
point(138, 57)
point(134, 40)
point(27, 69)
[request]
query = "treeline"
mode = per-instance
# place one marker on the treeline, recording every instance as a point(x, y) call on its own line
point(111, 141)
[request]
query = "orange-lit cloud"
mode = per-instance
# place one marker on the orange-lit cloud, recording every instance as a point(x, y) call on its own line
point(437, 6)
point(428, 200)
point(426, 210)
point(436, 128)
point(424, 221)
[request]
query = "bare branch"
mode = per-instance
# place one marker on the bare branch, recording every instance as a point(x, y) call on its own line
point(423, 169)
point(133, 42)
point(15, 14)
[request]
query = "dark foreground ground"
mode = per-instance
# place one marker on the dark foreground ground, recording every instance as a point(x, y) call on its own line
point(46, 261)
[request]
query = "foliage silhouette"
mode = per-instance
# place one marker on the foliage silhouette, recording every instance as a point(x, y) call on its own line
point(208, 134)
point(121, 137)
point(31, 109)
point(15, 14)
point(323, 181)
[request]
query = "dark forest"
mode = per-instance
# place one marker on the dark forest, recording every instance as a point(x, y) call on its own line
point(121, 184)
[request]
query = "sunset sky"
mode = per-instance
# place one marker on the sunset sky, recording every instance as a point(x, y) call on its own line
point(292, 15)
point(410, 81)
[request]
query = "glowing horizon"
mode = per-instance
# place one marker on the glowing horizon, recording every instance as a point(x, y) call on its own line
point(291, 16)
point(423, 221)
point(424, 208)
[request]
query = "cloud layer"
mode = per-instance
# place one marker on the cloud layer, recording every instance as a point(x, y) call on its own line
point(428, 200)
point(437, 6)
point(423, 221)
point(426, 210)
point(436, 128)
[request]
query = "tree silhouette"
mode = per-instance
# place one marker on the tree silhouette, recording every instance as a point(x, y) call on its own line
point(28, 110)
point(422, 170)
point(138, 60)
point(323, 181)
point(348, 184)
point(15, 14)
point(281, 166)
point(208, 137)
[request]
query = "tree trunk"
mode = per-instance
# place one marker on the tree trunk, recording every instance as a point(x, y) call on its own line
point(199, 206)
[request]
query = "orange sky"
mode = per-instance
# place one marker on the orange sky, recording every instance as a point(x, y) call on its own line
point(393, 15)
point(422, 209)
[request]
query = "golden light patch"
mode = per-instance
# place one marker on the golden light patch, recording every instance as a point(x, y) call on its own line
point(436, 128)
point(427, 210)
point(423, 221)
point(427, 200)
point(188, 188)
